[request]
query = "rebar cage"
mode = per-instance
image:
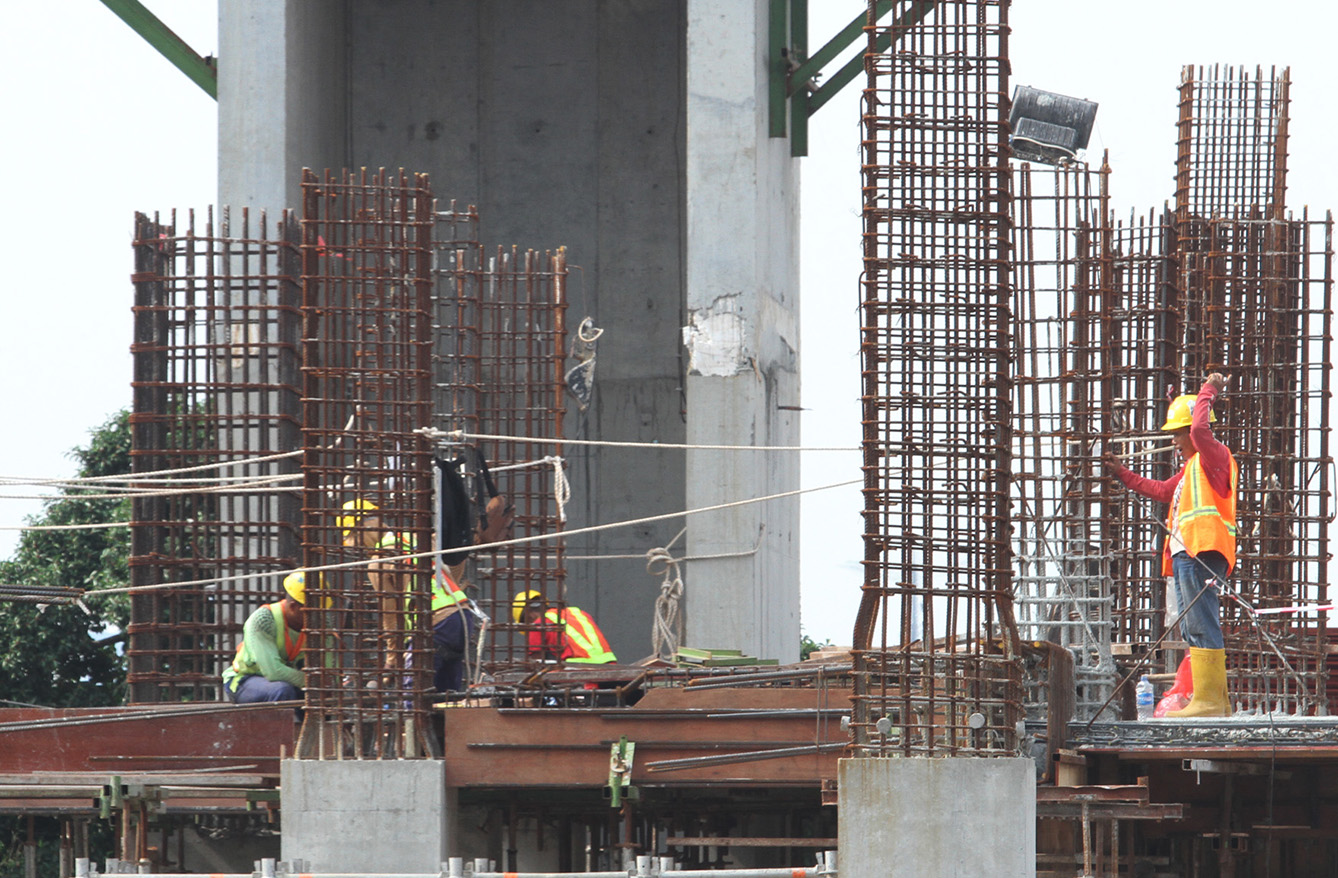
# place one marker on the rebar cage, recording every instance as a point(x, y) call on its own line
point(1255, 287)
point(936, 664)
point(367, 378)
point(501, 351)
point(1062, 307)
point(215, 409)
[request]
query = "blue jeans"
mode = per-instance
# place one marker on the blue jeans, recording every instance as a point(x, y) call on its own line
point(452, 639)
point(1202, 624)
point(254, 688)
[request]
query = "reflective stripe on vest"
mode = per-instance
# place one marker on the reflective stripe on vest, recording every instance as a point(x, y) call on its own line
point(445, 593)
point(1204, 520)
point(401, 543)
point(585, 642)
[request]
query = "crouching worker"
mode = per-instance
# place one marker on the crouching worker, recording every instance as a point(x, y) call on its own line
point(567, 635)
point(265, 668)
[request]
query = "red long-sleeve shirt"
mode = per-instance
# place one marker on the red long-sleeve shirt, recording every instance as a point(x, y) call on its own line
point(1216, 458)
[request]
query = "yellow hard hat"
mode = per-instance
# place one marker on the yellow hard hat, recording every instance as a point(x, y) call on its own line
point(1181, 413)
point(354, 510)
point(522, 599)
point(295, 584)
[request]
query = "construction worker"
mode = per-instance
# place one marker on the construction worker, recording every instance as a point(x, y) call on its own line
point(455, 627)
point(1200, 547)
point(265, 667)
point(568, 635)
point(363, 528)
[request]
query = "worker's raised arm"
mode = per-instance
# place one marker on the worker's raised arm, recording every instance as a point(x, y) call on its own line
point(261, 633)
point(1213, 455)
point(1154, 489)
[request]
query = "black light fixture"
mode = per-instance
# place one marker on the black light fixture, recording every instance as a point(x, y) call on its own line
point(1048, 127)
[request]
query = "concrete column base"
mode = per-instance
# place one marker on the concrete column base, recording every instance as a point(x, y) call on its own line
point(912, 817)
point(365, 816)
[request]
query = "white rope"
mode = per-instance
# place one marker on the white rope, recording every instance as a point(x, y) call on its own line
point(139, 477)
point(666, 631)
point(561, 487)
point(37, 527)
point(460, 436)
point(257, 487)
point(535, 538)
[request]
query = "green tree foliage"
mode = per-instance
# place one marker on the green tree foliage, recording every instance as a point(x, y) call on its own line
point(808, 646)
point(62, 656)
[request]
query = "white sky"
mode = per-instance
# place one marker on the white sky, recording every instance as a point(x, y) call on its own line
point(98, 125)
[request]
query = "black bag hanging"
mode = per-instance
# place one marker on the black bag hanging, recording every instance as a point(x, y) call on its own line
point(464, 512)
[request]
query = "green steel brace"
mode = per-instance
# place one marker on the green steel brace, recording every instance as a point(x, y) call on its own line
point(202, 71)
point(792, 69)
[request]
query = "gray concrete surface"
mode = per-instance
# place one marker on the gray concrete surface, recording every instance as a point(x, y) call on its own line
point(608, 127)
point(950, 818)
point(365, 816)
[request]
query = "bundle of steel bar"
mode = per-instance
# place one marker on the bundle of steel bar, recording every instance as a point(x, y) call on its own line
point(936, 665)
point(1062, 305)
point(215, 385)
point(501, 348)
point(39, 594)
point(366, 360)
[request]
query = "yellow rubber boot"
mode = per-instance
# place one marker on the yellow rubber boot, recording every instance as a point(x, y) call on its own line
point(1210, 690)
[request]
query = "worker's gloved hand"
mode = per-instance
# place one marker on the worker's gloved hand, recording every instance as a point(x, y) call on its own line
point(496, 522)
point(1217, 380)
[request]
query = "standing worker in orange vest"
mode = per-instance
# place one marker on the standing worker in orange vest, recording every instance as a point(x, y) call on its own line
point(572, 637)
point(265, 667)
point(1201, 541)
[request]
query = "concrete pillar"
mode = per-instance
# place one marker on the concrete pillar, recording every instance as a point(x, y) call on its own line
point(951, 818)
point(282, 99)
point(635, 134)
point(365, 816)
point(742, 338)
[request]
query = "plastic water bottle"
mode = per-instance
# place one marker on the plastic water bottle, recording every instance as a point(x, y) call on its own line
point(1144, 697)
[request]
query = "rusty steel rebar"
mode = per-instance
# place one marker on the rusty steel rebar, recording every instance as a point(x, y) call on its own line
point(215, 382)
point(366, 362)
point(936, 666)
point(1256, 287)
point(1063, 292)
point(501, 351)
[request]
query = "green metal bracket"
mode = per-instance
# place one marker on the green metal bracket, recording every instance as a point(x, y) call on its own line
point(792, 70)
point(621, 756)
point(202, 71)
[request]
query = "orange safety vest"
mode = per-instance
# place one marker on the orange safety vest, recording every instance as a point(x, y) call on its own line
point(583, 642)
point(243, 663)
point(1204, 520)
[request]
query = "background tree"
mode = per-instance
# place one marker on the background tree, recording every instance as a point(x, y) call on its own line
point(62, 656)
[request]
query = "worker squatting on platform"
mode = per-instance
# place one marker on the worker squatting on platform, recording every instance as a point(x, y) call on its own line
point(265, 667)
point(1200, 546)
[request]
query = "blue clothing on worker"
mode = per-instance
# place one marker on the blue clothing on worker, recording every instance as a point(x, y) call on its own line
point(253, 689)
point(1200, 624)
point(453, 638)
point(454, 629)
